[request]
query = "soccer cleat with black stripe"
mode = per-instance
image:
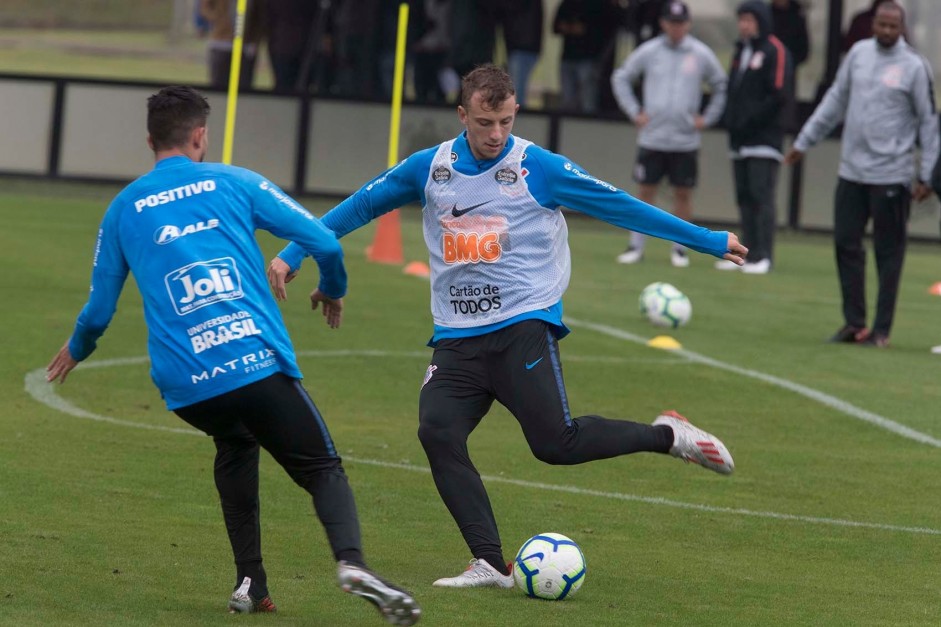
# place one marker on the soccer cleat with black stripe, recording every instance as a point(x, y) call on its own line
point(692, 444)
point(395, 605)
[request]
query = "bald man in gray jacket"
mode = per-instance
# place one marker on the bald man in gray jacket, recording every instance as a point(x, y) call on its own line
point(884, 97)
point(674, 67)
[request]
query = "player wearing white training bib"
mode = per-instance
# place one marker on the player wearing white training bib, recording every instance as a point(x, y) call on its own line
point(500, 264)
point(481, 274)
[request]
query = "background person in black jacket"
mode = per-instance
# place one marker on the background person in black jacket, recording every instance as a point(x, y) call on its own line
point(757, 100)
point(790, 26)
point(582, 25)
point(522, 30)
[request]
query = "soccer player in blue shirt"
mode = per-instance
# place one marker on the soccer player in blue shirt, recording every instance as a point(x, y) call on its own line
point(500, 264)
point(219, 351)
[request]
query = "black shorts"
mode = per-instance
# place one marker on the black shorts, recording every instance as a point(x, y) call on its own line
point(276, 411)
point(519, 366)
point(680, 167)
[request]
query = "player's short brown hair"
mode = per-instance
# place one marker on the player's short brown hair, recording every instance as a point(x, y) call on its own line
point(493, 83)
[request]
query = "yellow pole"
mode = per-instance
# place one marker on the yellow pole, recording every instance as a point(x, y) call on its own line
point(398, 78)
point(234, 73)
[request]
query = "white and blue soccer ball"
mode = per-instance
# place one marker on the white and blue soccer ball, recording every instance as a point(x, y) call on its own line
point(665, 306)
point(549, 566)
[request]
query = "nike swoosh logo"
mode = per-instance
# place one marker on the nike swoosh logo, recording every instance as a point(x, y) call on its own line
point(457, 213)
point(530, 366)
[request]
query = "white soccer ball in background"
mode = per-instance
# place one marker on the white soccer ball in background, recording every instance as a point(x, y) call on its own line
point(549, 566)
point(665, 306)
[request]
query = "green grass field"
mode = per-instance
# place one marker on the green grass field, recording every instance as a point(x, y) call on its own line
point(829, 519)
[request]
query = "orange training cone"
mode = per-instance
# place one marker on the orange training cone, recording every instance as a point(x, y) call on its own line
point(935, 289)
point(417, 268)
point(387, 244)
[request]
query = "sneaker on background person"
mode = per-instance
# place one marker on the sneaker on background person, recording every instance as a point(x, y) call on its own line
point(850, 335)
point(762, 266)
point(679, 258)
point(876, 340)
point(727, 265)
point(631, 255)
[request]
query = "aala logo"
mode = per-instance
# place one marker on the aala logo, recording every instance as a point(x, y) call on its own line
point(168, 233)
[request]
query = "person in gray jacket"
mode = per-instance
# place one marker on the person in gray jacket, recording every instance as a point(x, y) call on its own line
point(884, 97)
point(674, 66)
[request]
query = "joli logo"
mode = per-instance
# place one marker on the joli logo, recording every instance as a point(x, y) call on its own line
point(203, 283)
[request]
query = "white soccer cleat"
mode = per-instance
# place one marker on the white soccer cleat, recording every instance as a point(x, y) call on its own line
point(396, 605)
point(479, 574)
point(692, 444)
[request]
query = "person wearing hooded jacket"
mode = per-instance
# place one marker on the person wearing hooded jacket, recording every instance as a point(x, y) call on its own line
point(758, 95)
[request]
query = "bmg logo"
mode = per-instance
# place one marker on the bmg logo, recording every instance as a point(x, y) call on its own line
point(203, 283)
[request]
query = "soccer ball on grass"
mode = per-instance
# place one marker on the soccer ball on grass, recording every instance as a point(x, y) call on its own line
point(549, 566)
point(665, 306)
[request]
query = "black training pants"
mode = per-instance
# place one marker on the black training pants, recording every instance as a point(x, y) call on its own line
point(755, 184)
point(520, 367)
point(888, 206)
point(278, 414)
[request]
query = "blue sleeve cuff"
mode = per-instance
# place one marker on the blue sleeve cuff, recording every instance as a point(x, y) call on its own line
point(293, 255)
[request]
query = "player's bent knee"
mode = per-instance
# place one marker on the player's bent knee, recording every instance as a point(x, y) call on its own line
point(551, 453)
point(435, 436)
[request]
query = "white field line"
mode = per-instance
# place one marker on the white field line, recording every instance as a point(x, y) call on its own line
point(653, 500)
point(815, 395)
point(36, 386)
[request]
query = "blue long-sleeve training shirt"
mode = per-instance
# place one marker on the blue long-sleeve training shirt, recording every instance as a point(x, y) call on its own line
point(186, 232)
point(553, 180)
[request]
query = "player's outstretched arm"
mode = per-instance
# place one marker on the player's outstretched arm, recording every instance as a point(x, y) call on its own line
point(279, 274)
point(396, 187)
point(61, 365)
point(332, 307)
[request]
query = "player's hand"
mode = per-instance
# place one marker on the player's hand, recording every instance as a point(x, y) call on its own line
point(641, 120)
point(921, 191)
point(736, 252)
point(332, 307)
point(279, 274)
point(793, 156)
point(699, 122)
point(61, 365)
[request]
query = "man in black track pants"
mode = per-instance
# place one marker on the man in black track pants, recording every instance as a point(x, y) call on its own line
point(500, 263)
point(219, 351)
point(884, 96)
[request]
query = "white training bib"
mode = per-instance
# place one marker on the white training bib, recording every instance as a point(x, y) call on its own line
point(494, 251)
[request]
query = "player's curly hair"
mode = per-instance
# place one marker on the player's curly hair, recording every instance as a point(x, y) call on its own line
point(493, 83)
point(173, 113)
